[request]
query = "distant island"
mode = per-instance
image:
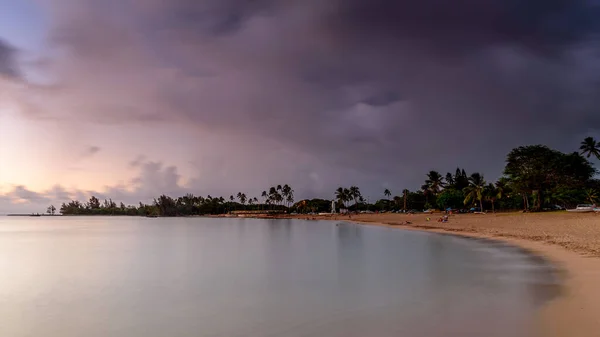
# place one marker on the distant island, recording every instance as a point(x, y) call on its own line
point(535, 178)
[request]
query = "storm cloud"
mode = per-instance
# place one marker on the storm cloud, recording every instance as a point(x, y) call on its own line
point(375, 93)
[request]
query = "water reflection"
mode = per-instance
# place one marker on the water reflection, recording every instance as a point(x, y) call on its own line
point(247, 277)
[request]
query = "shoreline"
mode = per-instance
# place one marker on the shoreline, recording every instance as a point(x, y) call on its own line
point(575, 311)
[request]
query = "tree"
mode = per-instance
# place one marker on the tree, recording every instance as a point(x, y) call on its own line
point(387, 193)
point(492, 193)
point(274, 195)
point(242, 197)
point(288, 194)
point(474, 192)
point(397, 201)
point(278, 198)
point(449, 180)
point(265, 196)
point(434, 182)
point(342, 195)
point(538, 170)
point(590, 147)
point(405, 197)
point(461, 180)
point(591, 195)
point(94, 203)
point(450, 198)
point(354, 193)
point(51, 209)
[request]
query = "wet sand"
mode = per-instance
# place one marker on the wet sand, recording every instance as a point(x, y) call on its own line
point(570, 241)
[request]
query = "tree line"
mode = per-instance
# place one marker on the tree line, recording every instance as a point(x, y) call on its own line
point(535, 177)
point(280, 197)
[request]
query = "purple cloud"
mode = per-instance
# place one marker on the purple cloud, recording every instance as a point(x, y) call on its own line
point(318, 94)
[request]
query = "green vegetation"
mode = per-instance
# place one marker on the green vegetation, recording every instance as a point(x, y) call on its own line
point(278, 198)
point(535, 177)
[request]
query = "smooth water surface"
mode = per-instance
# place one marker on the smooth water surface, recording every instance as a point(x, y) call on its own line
point(201, 277)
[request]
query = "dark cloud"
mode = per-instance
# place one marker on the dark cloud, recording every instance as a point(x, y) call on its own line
point(371, 92)
point(8, 62)
point(464, 25)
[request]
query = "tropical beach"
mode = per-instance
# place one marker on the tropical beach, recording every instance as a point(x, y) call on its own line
point(355, 168)
point(556, 193)
point(570, 241)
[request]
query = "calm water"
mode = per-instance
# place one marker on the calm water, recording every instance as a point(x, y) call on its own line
point(141, 277)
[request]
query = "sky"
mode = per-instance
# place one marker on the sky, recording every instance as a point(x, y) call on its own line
point(131, 99)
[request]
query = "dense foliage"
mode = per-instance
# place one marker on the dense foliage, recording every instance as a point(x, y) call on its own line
point(535, 177)
point(278, 198)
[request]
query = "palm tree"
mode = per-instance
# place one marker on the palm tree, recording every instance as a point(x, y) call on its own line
point(288, 194)
point(590, 147)
point(348, 195)
point(434, 182)
point(232, 199)
point(272, 195)
point(475, 190)
point(492, 193)
point(387, 193)
point(354, 193)
point(341, 194)
point(242, 197)
point(265, 196)
point(278, 198)
point(289, 200)
point(591, 195)
point(405, 196)
point(502, 187)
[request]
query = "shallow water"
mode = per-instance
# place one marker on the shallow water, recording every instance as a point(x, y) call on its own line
point(134, 277)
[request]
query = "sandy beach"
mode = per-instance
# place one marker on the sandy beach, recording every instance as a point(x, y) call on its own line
point(570, 241)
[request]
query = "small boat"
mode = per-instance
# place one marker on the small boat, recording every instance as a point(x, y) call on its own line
point(583, 208)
